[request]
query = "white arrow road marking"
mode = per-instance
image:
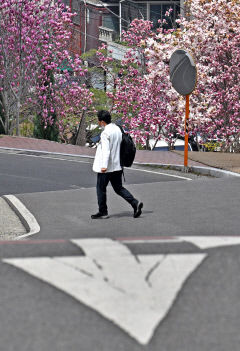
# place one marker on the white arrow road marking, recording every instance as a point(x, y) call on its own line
point(203, 242)
point(207, 242)
point(134, 292)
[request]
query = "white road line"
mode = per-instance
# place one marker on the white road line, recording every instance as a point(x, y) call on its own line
point(203, 242)
point(52, 158)
point(167, 174)
point(56, 158)
point(25, 215)
point(207, 242)
point(134, 292)
point(150, 241)
point(43, 151)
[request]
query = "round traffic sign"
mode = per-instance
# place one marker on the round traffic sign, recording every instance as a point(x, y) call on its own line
point(183, 72)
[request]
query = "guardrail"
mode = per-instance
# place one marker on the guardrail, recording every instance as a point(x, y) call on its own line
point(106, 34)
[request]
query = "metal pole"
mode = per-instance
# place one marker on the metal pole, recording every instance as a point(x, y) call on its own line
point(120, 20)
point(186, 135)
point(85, 26)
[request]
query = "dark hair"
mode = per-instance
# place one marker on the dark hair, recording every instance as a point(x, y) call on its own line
point(104, 116)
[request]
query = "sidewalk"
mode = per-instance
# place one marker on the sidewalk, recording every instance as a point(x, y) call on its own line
point(226, 161)
point(229, 162)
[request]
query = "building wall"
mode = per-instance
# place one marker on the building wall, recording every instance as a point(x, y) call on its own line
point(93, 22)
point(90, 17)
point(86, 22)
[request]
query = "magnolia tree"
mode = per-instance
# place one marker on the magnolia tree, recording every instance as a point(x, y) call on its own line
point(211, 32)
point(142, 93)
point(34, 44)
point(148, 106)
point(76, 101)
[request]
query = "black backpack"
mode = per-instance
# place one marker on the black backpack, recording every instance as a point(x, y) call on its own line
point(127, 150)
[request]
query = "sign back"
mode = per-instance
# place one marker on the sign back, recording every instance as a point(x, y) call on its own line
point(183, 72)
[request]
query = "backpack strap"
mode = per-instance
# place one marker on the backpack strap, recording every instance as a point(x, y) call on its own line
point(123, 175)
point(121, 128)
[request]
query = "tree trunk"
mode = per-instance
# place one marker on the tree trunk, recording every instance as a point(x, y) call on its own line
point(226, 148)
point(17, 118)
point(2, 117)
point(5, 112)
point(81, 133)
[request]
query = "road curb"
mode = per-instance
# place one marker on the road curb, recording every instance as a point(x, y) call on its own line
point(27, 219)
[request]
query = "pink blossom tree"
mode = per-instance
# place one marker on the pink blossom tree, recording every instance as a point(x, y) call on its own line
point(34, 43)
point(76, 100)
point(146, 103)
point(211, 32)
point(142, 93)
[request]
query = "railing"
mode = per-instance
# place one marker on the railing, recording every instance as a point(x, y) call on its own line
point(106, 34)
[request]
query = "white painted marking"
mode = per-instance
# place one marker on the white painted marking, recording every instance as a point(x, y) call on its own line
point(32, 224)
point(203, 242)
point(206, 242)
point(149, 241)
point(134, 292)
point(166, 174)
point(54, 158)
point(43, 151)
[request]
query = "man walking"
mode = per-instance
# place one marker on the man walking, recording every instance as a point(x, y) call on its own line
point(107, 166)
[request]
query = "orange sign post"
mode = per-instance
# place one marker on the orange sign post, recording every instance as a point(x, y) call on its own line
point(183, 76)
point(186, 134)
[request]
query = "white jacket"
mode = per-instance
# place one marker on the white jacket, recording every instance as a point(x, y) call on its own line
point(108, 150)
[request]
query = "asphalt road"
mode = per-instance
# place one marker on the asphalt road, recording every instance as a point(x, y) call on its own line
point(37, 314)
point(28, 172)
point(167, 281)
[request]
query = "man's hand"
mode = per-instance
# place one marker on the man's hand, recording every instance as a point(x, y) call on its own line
point(103, 170)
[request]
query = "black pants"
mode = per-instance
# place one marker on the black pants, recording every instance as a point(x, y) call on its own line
point(115, 179)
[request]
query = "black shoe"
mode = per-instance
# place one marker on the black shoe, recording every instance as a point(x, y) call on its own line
point(100, 216)
point(138, 209)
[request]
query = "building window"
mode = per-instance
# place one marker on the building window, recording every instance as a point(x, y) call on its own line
point(110, 20)
point(158, 12)
point(147, 10)
point(150, 10)
point(142, 11)
point(66, 2)
point(76, 9)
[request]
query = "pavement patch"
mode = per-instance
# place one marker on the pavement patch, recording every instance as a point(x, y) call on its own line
point(10, 225)
point(26, 218)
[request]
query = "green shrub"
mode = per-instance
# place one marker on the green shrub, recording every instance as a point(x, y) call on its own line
point(212, 146)
point(26, 129)
point(49, 133)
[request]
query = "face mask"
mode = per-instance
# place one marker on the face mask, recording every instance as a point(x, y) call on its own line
point(101, 127)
